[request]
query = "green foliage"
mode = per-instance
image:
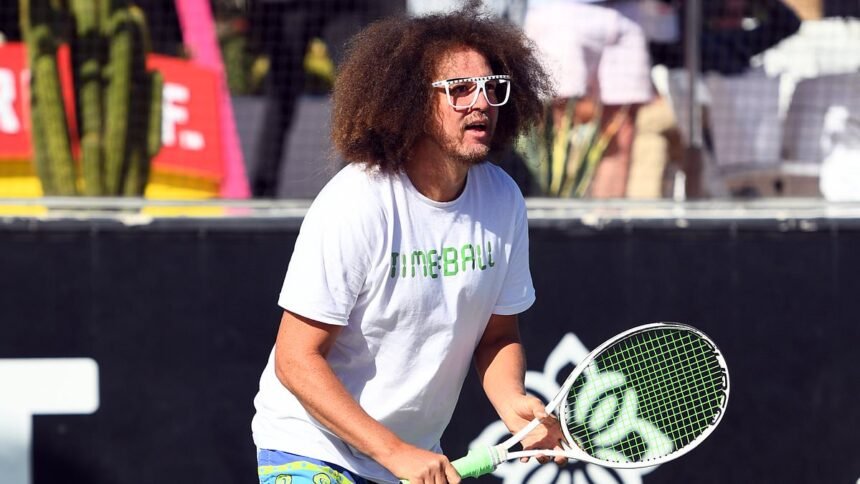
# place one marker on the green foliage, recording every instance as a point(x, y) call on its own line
point(234, 48)
point(245, 69)
point(119, 130)
point(562, 153)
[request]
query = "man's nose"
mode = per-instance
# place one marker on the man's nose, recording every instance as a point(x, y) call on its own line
point(481, 103)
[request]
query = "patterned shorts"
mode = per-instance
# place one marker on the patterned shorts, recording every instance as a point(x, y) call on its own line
point(276, 467)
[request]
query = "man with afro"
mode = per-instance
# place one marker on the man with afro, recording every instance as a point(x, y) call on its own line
point(412, 262)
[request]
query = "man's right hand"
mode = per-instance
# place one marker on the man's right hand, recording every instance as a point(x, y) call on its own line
point(419, 466)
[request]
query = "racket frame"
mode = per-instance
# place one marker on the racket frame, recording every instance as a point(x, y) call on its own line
point(500, 452)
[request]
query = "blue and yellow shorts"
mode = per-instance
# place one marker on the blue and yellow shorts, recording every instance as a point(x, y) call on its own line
point(276, 467)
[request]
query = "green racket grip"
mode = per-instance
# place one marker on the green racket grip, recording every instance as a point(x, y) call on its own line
point(476, 463)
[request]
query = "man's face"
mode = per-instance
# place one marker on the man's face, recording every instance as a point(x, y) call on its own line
point(464, 135)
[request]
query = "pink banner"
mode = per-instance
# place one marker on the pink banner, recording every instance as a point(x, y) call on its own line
point(198, 32)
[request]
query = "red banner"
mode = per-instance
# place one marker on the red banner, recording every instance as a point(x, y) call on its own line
point(14, 106)
point(191, 142)
point(16, 134)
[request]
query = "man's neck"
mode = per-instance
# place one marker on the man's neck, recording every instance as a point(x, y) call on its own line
point(436, 176)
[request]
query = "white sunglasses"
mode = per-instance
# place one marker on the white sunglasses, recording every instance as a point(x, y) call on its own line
point(462, 92)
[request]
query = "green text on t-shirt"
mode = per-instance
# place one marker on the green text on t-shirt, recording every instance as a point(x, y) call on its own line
point(449, 261)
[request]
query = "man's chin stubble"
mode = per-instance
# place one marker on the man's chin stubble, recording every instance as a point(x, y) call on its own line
point(473, 158)
point(469, 160)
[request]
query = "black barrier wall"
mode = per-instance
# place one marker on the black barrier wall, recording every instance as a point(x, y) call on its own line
point(180, 315)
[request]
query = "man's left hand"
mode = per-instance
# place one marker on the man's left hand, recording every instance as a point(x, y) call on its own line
point(547, 435)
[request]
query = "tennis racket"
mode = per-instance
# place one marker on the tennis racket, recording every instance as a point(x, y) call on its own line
point(647, 396)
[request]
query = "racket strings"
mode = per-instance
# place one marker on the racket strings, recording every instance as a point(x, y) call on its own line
point(688, 390)
point(679, 390)
point(675, 391)
point(676, 384)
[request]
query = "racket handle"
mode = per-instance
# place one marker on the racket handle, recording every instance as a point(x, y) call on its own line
point(476, 463)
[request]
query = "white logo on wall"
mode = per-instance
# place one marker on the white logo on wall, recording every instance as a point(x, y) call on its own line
point(567, 353)
point(175, 113)
point(32, 386)
point(9, 122)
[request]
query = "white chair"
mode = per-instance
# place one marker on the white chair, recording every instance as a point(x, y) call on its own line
point(805, 119)
point(748, 135)
point(744, 122)
point(821, 133)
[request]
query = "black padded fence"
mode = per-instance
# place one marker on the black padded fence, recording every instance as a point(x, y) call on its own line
point(179, 315)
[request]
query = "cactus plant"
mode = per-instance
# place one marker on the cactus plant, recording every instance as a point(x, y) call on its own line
point(120, 130)
point(118, 78)
point(54, 163)
point(144, 141)
point(89, 54)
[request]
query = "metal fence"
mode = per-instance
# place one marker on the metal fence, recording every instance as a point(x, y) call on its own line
point(754, 98)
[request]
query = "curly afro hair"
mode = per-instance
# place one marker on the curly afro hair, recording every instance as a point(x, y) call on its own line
point(382, 93)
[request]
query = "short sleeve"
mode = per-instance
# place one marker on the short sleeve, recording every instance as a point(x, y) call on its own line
point(329, 264)
point(518, 292)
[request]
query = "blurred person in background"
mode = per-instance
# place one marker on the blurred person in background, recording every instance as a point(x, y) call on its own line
point(283, 30)
point(513, 11)
point(598, 55)
point(412, 262)
point(733, 32)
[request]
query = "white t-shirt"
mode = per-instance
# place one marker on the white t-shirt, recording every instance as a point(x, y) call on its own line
point(414, 283)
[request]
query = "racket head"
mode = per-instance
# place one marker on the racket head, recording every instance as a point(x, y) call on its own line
point(647, 396)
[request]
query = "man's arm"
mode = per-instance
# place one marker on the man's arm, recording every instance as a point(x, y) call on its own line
point(500, 361)
point(300, 364)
